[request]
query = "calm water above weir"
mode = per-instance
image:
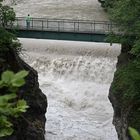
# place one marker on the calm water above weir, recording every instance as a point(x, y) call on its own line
point(75, 76)
point(60, 9)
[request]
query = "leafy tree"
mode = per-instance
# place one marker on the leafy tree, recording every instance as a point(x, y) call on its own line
point(125, 13)
point(7, 39)
point(7, 15)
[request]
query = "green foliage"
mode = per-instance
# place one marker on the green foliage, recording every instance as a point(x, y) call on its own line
point(125, 13)
point(7, 15)
point(9, 79)
point(136, 48)
point(10, 106)
point(135, 135)
point(7, 40)
point(127, 82)
point(131, 19)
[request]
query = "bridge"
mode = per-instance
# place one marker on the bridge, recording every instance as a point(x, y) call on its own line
point(64, 29)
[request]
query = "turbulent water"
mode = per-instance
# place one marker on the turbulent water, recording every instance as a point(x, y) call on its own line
point(76, 77)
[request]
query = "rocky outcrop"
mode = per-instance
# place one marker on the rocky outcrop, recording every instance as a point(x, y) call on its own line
point(31, 126)
point(125, 113)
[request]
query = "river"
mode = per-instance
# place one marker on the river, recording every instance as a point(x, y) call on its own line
point(75, 76)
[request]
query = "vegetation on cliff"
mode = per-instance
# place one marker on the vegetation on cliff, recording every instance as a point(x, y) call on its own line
point(126, 83)
point(11, 106)
point(13, 94)
point(7, 39)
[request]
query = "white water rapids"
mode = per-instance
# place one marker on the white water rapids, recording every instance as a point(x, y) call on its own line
point(76, 77)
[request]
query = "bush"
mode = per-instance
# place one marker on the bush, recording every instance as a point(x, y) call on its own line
point(10, 106)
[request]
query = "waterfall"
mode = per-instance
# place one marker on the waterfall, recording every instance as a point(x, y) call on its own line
point(76, 77)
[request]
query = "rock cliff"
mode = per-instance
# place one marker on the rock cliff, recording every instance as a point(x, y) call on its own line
point(31, 125)
point(126, 112)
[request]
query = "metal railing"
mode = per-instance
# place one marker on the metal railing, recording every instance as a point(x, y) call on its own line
point(65, 25)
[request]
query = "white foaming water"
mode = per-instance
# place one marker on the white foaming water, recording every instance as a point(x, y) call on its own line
point(76, 77)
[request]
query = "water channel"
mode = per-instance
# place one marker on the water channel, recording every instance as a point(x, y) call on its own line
point(75, 76)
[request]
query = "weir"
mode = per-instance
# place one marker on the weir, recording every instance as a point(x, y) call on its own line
point(76, 77)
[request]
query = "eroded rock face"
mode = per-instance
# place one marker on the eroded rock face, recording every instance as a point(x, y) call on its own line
point(125, 114)
point(120, 117)
point(31, 125)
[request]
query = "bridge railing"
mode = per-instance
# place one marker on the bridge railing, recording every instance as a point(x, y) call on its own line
point(66, 25)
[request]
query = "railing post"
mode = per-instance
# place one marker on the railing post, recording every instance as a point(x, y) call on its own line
point(90, 27)
point(78, 25)
point(47, 24)
point(74, 26)
point(32, 23)
point(94, 26)
point(42, 25)
point(58, 25)
point(63, 24)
